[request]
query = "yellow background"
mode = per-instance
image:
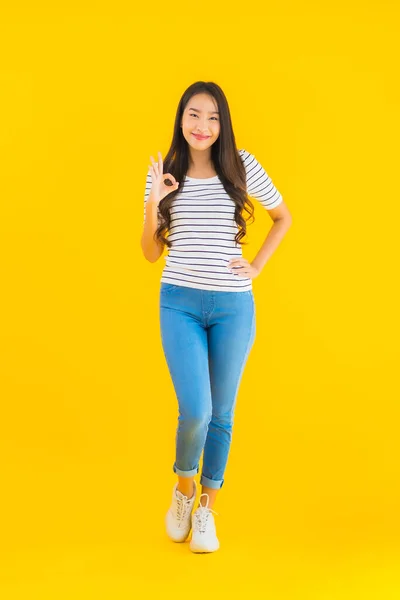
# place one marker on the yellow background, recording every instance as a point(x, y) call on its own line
point(310, 505)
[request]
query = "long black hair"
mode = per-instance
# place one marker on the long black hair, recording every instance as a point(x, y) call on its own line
point(224, 155)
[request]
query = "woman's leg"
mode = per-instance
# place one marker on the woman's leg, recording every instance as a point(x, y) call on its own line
point(212, 495)
point(185, 345)
point(186, 486)
point(231, 335)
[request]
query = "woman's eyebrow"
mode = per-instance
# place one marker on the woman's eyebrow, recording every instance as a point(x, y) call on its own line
point(211, 112)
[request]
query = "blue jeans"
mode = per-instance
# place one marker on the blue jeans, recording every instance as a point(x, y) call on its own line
point(206, 337)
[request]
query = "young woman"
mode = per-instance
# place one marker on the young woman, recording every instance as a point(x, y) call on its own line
point(207, 310)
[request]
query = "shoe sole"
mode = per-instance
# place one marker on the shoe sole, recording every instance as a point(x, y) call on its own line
point(200, 550)
point(195, 551)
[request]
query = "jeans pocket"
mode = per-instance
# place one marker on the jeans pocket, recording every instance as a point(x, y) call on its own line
point(166, 288)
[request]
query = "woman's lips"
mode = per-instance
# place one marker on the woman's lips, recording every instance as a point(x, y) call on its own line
point(199, 137)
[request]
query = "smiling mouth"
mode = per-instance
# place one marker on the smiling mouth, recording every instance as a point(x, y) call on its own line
point(201, 137)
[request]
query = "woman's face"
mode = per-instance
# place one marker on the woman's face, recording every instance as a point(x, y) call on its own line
point(200, 117)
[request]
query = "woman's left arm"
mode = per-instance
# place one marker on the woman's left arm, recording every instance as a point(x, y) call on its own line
point(282, 221)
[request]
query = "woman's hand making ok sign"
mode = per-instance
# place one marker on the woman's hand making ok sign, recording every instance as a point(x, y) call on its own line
point(158, 188)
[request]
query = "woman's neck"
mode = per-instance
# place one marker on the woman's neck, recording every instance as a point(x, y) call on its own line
point(201, 168)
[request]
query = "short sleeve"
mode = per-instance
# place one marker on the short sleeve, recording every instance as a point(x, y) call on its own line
point(147, 190)
point(259, 184)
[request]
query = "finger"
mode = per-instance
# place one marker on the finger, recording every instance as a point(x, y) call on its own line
point(170, 176)
point(155, 165)
point(160, 161)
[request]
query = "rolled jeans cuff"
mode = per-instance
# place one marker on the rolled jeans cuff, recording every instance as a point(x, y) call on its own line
point(190, 473)
point(215, 484)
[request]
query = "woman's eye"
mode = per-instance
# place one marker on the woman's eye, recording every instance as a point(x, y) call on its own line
point(193, 115)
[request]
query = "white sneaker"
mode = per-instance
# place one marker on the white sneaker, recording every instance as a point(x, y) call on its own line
point(204, 535)
point(178, 517)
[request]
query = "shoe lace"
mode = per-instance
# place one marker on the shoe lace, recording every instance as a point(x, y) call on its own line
point(201, 516)
point(182, 507)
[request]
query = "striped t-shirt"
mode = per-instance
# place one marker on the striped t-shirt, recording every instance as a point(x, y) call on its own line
point(203, 229)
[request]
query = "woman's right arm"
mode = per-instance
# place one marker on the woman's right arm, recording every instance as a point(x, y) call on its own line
point(151, 249)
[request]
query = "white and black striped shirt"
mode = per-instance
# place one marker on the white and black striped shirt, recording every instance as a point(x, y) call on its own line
point(203, 229)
